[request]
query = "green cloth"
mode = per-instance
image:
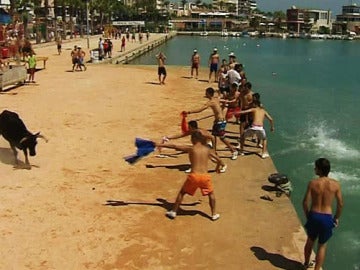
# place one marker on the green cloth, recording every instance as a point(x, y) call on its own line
point(32, 61)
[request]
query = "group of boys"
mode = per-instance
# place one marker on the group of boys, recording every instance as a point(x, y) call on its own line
point(77, 58)
point(238, 100)
point(235, 98)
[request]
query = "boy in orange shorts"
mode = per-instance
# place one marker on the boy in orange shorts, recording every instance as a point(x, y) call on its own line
point(199, 155)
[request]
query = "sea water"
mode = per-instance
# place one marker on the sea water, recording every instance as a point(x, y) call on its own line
point(312, 89)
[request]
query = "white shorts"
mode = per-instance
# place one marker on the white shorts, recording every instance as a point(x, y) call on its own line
point(259, 131)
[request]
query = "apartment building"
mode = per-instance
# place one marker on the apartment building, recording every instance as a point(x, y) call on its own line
point(307, 20)
point(349, 19)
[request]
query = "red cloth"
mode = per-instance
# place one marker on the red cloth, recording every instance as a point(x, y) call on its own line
point(184, 124)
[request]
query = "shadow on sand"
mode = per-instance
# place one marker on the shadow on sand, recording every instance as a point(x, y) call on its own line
point(163, 204)
point(276, 259)
point(7, 157)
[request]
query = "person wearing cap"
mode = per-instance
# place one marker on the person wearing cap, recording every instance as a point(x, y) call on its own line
point(233, 75)
point(214, 60)
point(232, 60)
point(195, 63)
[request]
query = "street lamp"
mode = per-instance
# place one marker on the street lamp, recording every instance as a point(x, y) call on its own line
point(87, 24)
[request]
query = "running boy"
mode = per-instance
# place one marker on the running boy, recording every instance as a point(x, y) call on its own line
point(219, 126)
point(199, 154)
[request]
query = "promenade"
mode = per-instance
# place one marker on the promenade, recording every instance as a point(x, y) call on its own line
point(82, 207)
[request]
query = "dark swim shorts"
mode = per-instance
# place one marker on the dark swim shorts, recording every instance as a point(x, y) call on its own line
point(319, 225)
point(161, 70)
point(219, 129)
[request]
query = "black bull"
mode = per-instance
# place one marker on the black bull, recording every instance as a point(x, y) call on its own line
point(13, 129)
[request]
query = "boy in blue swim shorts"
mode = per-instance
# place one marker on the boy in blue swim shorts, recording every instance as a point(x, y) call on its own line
point(320, 222)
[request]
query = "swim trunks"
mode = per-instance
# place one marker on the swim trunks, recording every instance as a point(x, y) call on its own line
point(233, 112)
point(195, 181)
point(195, 65)
point(244, 117)
point(219, 129)
point(161, 70)
point(213, 67)
point(259, 131)
point(319, 225)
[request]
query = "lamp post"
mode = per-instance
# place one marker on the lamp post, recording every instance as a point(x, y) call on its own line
point(87, 24)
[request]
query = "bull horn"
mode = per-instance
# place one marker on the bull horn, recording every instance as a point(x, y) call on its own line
point(23, 140)
point(38, 135)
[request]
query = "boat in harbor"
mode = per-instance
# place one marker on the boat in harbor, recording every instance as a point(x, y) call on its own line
point(224, 33)
point(204, 33)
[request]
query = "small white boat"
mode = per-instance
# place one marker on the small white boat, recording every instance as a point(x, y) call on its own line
point(224, 33)
point(204, 34)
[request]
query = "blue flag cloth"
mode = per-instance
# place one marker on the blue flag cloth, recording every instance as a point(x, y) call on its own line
point(144, 147)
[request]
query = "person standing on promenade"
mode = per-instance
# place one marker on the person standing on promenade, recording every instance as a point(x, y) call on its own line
point(161, 67)
point(214, 60)
point(101, 49)
point(74, 57)
point(58, 45)
point(81, 58)
point(31, 60)
point(233, 74)
point(123, 42)
point(195, 63)
point(246, 102)
point(218, 129)
point(199, 155)
point(232, 60)
point(224, 86)
point(193, 127)
point(321, 192)
point(257, 127)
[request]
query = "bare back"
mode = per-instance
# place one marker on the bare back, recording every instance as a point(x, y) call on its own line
point(161, 61)
point(199, 158)
point(323, 190)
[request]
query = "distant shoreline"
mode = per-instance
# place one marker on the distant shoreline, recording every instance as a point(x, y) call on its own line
point(267, 35)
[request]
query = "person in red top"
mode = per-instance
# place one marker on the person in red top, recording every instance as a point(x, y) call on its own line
point(123, 42)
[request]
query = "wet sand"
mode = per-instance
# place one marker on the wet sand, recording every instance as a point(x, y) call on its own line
point(82, 207)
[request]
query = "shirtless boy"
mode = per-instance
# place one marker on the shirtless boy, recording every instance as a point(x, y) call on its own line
point(231, 102)
point(161, 67)
point(214, 60)
point(195, 63)
point(257, 127)
point(321, 192)
point(210, 141)
point(246, 102)
point(219, 126)
point(199, 154)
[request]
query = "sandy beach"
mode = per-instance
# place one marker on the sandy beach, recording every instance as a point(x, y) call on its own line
point(82, 207)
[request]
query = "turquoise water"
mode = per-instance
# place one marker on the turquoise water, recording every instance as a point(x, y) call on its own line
point(311, 88)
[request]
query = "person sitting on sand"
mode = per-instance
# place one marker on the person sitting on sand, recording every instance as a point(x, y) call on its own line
point(257, 127)
point(199, 154)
